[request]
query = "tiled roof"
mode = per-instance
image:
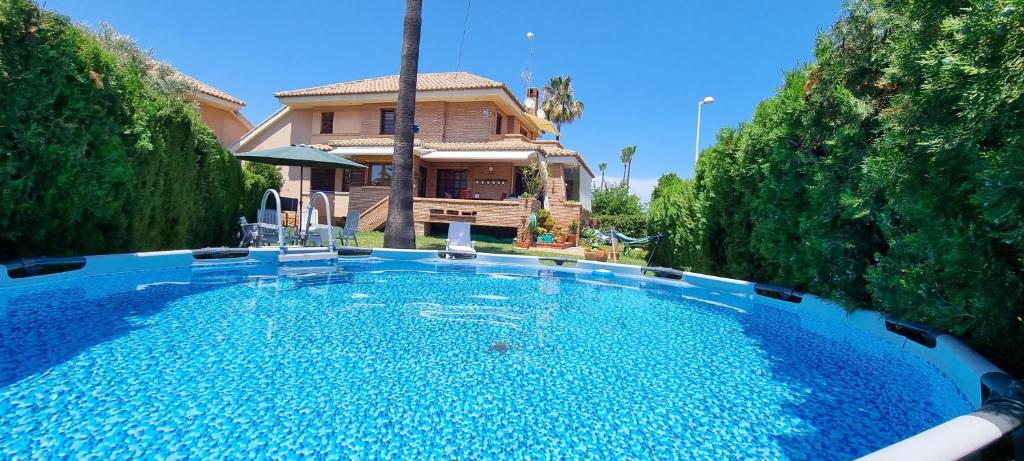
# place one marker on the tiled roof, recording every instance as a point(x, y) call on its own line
point(559, 151)
point(508, 144)
point(425, 82)
point(554, 151)
point(368, 142)
point(208, 90)
point(389, 141)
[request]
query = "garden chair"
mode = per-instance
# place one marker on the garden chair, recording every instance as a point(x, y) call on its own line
point(350, 230)
point(458, 239)
point(250, 235)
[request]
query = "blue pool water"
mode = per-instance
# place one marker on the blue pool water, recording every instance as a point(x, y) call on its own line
point(417, 360)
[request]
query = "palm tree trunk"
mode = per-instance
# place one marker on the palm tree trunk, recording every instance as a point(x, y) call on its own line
point(602, 180)
point(399, 232)
point(629, 169)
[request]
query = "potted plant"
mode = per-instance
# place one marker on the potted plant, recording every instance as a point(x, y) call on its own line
point(574, 228)
point(560, 235)
point(591, 248)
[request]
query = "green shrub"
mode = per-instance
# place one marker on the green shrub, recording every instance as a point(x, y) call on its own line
point(675, 213)
point(615, 200)
point(96, 158)
point(544, 221)
point(886, 174)
point(632, 225)
point(257, 178)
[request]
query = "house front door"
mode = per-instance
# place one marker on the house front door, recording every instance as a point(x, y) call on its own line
point(451, 182)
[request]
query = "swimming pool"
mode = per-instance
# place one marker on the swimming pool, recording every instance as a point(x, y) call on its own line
point(418, 357)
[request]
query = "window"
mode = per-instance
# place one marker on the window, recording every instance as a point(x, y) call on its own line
point(571, 176)
point(321, 179)
point(387, 121)
point(497, 126)
point(380, 174)
point(451, 183)
point(326, 122)
point(519, 184)
point(421, 190)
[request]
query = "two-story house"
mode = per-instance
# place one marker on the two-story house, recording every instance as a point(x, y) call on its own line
point(218, 110)
point(474, 139)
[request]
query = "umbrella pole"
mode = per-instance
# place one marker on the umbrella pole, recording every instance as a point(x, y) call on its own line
point(298, 213)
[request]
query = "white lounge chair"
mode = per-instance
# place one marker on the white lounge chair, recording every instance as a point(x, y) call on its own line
point(458, 238)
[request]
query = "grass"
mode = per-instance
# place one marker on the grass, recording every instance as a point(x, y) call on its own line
point(375, 239)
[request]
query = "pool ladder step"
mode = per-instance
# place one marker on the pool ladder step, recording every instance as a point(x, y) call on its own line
point(299, 257)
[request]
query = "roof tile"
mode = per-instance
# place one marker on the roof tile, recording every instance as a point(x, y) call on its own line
point(425, 82)
point(207, 89)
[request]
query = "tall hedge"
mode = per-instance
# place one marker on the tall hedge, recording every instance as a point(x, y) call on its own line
point(888, 173)
point(95, 156)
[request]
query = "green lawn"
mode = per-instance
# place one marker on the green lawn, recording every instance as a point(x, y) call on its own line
point(376, 240)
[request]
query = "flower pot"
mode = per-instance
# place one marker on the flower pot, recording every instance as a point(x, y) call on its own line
point(595, 255)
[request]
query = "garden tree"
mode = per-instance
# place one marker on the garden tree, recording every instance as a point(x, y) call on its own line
point(885, 174)
point(98, 151)
point(949, 166)
point(257, 178)
point(616, 200)
point(725, 181)
point(602, 166)
point(560, 104)
point(627, 162)
point(400, 232)
point(675, 213)
point(615, 207)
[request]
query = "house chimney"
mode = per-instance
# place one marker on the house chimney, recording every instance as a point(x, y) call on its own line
point(532, 100)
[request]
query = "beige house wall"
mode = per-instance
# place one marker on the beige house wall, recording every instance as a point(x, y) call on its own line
point(226, 125)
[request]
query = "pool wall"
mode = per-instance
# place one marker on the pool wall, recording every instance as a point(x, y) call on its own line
point(965, 367)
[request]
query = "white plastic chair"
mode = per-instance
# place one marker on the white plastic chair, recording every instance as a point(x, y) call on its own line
point(316, 233)
point(458, 238)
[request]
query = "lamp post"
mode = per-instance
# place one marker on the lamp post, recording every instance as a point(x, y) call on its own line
point(696, 150)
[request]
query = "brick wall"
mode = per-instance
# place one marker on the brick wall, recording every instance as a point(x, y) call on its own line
point(438, 121)
point(470, 122)
point(491, 213)
point(362, 198)
point(563, 212)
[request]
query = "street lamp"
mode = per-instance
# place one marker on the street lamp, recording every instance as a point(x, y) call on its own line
point(696, 150)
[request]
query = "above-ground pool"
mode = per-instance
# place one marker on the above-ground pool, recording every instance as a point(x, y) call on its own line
point(382, 358)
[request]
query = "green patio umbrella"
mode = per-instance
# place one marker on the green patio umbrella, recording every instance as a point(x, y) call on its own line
point(301, 156)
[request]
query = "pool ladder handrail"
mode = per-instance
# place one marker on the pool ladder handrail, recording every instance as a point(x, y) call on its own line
point(327, 212)
point(262, 215)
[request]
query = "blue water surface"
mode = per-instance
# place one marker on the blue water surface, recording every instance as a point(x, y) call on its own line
point(454, 361)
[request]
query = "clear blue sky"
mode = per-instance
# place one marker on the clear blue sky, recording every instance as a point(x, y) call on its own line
point(640, 67)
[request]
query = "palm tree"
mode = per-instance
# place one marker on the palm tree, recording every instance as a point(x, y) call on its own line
point(627, 163)
point(602, 166)
point(399, 232)
point(560, 104)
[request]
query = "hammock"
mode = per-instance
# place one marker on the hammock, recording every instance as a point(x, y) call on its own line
point(628, 241)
